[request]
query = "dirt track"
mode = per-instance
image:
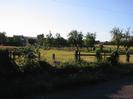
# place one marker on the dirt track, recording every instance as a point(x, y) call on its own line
point(117, 89)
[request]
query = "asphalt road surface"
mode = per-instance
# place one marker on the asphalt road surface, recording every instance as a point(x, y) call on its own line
point(116, 89)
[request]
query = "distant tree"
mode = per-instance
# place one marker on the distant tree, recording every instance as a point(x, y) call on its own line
point(90, 39)
point(10, 41)
point(75, 38)
point(32, 41)
point(127, 39)
point(40, 40)
point(2, 38)
point(49, 40)
point(59, 41)
point(117, 35)
point(19, 40)
point(63, 42)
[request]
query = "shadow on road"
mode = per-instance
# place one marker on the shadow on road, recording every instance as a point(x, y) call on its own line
point(117, 89)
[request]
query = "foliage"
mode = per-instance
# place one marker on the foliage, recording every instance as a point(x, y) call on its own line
point(2, 38)
point(117, 36)
point(60, 41)
point(115, 57)
point(25, 58)
point(75, 38)
point(19, 40)
point(49, 40)
point(7, 67)
point(90, 39)
point(45, 77)
point(98, 54)
point(127, 40)
point(41, 40)
point(32, 41)
point(122, 38)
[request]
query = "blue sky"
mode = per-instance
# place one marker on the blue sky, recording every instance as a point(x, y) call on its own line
point(32, 17)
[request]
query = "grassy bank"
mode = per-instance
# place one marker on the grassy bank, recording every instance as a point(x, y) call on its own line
point(47, 78)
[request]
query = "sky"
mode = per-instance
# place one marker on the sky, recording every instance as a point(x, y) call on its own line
point(33, 17)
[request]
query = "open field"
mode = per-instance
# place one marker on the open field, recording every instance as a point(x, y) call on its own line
point(63, 56)
point(68, 56)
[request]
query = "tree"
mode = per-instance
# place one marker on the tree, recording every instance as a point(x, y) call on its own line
point(75, 38)
point(41, 39)
point(2, 38)
point(90, 39)
point(117, 35)
point(127, 40)
point(32, 41)
point(60, 41)
point(10, 41)
point(49, 40)
point(18, 40)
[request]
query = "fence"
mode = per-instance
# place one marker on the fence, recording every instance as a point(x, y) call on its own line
point(105, 56)
point(89, 57)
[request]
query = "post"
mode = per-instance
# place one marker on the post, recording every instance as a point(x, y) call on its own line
point(53, 57)
point(79, 56)
point(127, 55)
point(76, 55)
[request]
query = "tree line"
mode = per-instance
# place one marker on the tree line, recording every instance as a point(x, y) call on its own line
point(122, 37)
point(75, 39)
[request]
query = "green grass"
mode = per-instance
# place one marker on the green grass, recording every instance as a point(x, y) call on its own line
point(64, 56)
point(123, 59)
point(68, 56)
point(60, 55)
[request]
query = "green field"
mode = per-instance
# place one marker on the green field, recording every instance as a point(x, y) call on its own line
point(68, 56)
point(60, 55)
point(63, 56)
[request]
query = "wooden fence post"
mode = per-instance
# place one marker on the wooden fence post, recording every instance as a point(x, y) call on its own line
point(79, 56)
point(76, 55)
point(53, 57)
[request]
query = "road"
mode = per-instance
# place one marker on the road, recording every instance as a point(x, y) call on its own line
point(116, 89)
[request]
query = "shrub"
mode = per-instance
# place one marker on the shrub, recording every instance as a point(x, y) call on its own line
point(7, 67)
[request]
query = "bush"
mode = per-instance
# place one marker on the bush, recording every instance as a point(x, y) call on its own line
point(7, 67)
